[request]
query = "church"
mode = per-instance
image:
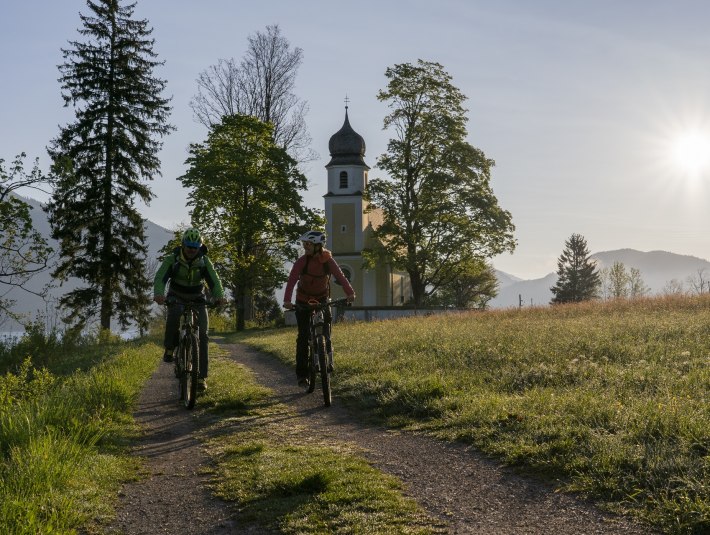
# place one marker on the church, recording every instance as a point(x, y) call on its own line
point(349, 224)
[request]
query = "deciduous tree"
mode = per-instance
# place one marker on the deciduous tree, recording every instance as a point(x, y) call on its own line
point(23, 250)
point(246, 198)
point(577, 276)
point(674, 287)
point(472, 288)
point(615, 280)
point(637, 286)
point(261, 85)
point(699, 283)
point(102, 161)
point(439, 211)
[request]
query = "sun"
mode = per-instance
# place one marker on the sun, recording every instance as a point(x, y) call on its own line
point(690, 152)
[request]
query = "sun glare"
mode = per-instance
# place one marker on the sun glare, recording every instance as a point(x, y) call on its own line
point(691, 152)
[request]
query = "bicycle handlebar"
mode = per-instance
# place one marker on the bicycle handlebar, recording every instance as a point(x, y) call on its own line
point(175, 300)
point(317, 305)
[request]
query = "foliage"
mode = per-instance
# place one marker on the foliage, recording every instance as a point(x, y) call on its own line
point(637, 286)
point(49, 349)
point(246, 199)
point(23, 250)
point(267, 310)
point(26, 383)
point(577, 276)
point(439, 211)
point(473, 288)
point(617, 282)
point(262, 87)
point(100, 162)
point(606, 398)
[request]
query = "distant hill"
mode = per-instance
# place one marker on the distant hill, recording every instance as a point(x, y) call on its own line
point(29, 304)
point(505, 279)
point(535, 292)
point(657, 269)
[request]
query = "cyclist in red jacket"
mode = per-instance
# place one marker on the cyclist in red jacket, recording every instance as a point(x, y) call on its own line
point(312, 272)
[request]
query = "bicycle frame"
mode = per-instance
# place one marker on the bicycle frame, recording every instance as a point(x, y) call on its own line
point(187, 361)
point(318, 360)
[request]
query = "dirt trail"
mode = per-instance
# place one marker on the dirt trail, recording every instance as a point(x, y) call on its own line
point(451, 481)
point(174, 461)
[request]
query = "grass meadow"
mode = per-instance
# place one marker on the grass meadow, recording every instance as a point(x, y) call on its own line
point(64, 428)
point(607, 399)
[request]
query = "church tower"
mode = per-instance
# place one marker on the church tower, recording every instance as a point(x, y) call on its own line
point(349, 228)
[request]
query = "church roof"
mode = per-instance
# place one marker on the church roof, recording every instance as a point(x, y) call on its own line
point(346, 146)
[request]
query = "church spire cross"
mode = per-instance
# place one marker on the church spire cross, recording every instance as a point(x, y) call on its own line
point(347, 101)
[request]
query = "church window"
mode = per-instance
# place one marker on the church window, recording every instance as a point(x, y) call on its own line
point(343, 179)
point(348, 274)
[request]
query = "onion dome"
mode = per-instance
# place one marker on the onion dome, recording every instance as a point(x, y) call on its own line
point(346, 146)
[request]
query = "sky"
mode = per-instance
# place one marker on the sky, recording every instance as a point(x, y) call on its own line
point(597, 114)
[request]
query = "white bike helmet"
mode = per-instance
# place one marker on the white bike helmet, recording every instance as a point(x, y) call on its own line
point(314, 236)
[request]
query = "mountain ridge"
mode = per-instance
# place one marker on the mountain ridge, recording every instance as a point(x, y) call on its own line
point(657, 269)
point(29, 304)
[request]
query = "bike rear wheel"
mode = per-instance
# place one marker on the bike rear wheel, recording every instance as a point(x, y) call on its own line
point(191, 372)
point(324, 375)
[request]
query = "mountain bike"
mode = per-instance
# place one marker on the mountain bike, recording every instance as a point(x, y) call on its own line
point(318, 359)
point(187, 360)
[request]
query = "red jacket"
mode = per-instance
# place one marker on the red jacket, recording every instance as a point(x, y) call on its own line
point(313, 277)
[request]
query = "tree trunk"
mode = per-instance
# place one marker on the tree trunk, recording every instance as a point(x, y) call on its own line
point(418, 288)
point(239, 302)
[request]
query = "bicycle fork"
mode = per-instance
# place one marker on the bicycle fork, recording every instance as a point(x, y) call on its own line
point(317, 332)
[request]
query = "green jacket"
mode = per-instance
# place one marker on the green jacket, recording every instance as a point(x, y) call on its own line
point(187, 278)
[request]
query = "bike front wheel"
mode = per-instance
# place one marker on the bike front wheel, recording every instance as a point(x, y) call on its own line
point(324, 374)
point(191, 372)
point(180, 367)
point(311, 368)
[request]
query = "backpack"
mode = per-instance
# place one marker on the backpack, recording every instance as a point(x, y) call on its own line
point(326, 272)
point(176, 265)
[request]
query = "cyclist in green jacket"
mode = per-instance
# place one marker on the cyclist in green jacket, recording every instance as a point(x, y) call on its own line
point(185, 272)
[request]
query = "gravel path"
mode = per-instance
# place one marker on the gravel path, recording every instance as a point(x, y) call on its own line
point(451, 481)
point(174, 461)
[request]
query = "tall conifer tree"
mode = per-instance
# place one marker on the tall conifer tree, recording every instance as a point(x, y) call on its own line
point(578, 279)
point(102, 161)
